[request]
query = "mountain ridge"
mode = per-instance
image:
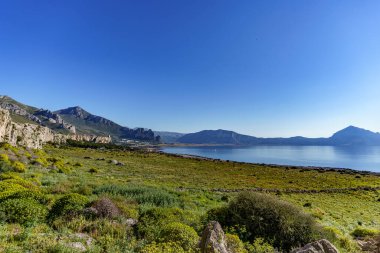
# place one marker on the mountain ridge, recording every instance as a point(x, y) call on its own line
point(74, 120)
point(348, 136)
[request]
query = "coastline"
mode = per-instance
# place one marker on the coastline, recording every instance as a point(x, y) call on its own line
point(299, 167)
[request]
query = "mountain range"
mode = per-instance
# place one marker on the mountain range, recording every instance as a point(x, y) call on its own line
point(348, 136)
point(76, 120)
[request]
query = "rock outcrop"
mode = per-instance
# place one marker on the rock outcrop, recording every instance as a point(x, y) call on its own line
point(35, 136)
point(55, 119)
point(15, 109)
point(321, 246)
point(213, 239)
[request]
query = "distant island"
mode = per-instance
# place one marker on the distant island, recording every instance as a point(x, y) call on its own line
point(346, 137)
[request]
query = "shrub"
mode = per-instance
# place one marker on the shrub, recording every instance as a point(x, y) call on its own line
point(23, 194)
point(261, 215)
point(181, 234)
point(40, 161)
point(4, 158)
point(259, 246)
point(105, 208)
point(64, 170)
point(8, 186)
point(23, 211)
point(18, 167)
point(19, 181)
point(93, 170)
point(234, 244)
point(66, 206)
point(152, 221)
point(364, 232)
point(168, 247)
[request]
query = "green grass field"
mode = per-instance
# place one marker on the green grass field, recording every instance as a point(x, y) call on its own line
point(184, 188)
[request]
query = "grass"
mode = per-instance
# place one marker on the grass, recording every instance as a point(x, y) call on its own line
point(184, 187)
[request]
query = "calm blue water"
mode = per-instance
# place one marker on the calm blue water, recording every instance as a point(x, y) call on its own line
point(359, 158)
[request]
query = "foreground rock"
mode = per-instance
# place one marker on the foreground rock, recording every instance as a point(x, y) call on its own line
point(34, 136)
point(321, 246)
point(213, 239)
point(369, 245)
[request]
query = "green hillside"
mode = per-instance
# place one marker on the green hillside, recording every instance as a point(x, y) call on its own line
point(172, 189)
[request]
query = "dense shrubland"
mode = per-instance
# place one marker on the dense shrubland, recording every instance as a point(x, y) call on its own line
point(74, 199)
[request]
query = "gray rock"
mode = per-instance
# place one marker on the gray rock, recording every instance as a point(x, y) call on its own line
point(131, 222)
point(77, 245)
point(369, 245)
point(35, 136)
point(321, 246)
point(213, 239)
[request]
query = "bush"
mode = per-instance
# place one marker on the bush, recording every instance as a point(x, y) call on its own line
point(169, 247)
point(256, 215)
point(259, 246)
point(364, 232)
point(93, 170)
point(4, 158)
point(181, 234)
point(23, 194)
point(8, 186)
point(152, 221)
point(234, 244)
point(105, 208)
point(18, 167)
point(67, 206)
point(17, 181)
point(40, 161)
point(23, 211)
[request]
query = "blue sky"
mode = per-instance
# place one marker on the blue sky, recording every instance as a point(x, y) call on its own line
point(265, 68)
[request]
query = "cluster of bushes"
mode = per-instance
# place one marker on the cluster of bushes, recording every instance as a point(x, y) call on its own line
point(20, 201)
point(253, 222)
point(7, 165)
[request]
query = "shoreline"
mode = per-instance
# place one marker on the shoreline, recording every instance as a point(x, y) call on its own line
point(318, 168)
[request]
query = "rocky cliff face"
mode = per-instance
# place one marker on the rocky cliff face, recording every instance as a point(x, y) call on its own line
point(53, 118)
point(18, 111)
point(34, 136)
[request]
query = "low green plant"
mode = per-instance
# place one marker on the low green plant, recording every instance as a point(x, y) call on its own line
point(23, 194)
point(40, 161)
point(259, 246)
point(22, 210)
point(364, 232)
point(181, 234)
point(167, 247)
point(260, 215)
point(18, 167)
point(4, 158)
point(68, 205)
point(152, 221)
point(234, 244)
point(141, 194)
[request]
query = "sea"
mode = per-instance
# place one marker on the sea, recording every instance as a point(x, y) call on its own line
point(364, 158)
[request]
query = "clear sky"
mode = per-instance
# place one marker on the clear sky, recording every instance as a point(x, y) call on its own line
point(264, 68)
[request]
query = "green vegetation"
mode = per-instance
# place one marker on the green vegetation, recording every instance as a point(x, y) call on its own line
point(152, 202)
point(255, 215)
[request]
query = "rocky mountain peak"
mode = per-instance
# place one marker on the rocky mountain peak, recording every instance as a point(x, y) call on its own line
point(76, 111)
